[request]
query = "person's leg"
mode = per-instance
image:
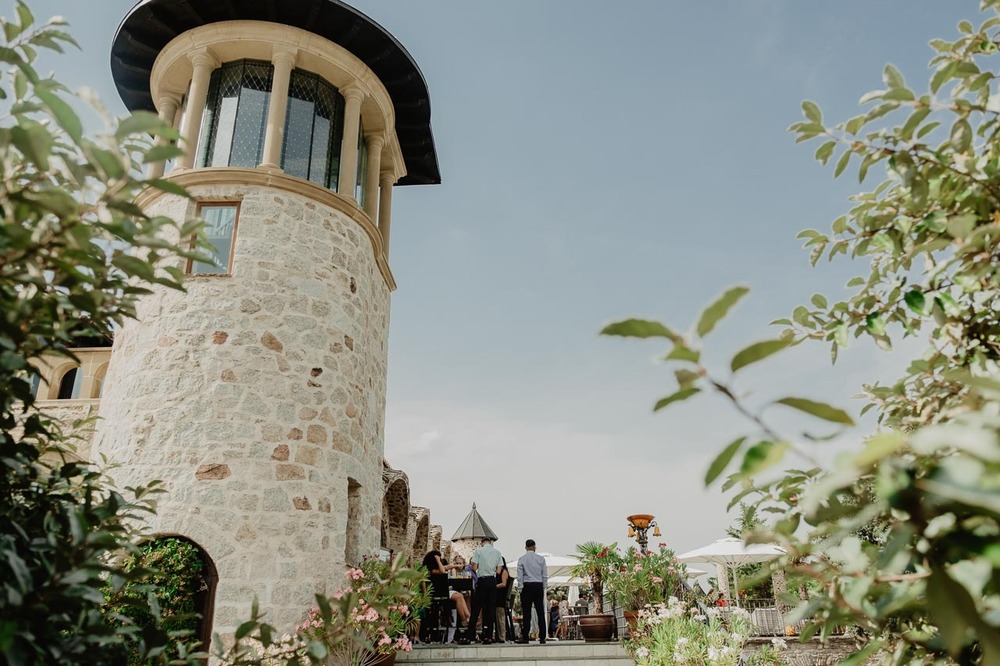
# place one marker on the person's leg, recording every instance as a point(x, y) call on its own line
point(543, 620)
point(489, 608)
point(525, 615)
point(477, 606)
point(463, 610)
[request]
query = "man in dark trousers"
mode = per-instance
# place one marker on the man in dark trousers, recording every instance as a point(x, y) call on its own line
point(532, 577)
point(487, 562)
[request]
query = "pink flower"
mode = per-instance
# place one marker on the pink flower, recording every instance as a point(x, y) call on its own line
point(403, 643)
point(657, 580)
point(354, 574)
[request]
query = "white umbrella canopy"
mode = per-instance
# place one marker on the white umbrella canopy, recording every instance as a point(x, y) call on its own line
point(557, 565)
point(731, 553)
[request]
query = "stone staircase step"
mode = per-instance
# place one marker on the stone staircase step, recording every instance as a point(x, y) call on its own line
point(509, 654)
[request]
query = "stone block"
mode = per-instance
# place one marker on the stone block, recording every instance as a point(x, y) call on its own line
point(301, 503)
point(289, 473)
point(280, 452)
point(316, 434)
point(214, 472)
point(271, 342)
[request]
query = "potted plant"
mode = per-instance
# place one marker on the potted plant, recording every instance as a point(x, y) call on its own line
point(596, 563)
point(643, 579)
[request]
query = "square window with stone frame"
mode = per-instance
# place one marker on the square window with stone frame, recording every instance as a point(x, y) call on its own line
point(221, 220)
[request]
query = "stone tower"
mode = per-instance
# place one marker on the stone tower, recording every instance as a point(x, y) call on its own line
point(259, 395)
point(471, 534)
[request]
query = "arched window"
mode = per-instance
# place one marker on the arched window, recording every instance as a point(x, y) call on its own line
point(236, 118)
point(98, 387)
point(236, 114)
point(70, 384)
point(36, 383)
point(314, 125)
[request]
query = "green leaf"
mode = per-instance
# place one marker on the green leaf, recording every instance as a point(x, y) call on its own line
point(949, 604)
point(683, 394)
point(892, 78)
point(820, 410)
point(916, 302)
point(761, 456)
point(139, 122)
point(812, 112)
point(681, 352)
point(640, 328)
point(168, 186)
point(62, 113)
point(875, 324)
point(824, 152)
point(24, 15)
point(722, 460)
point(756, 352)
point(961, 226)
point(961, 135)
point(244, 629)
point(943, 73)
point(718, 309)
point(842, 163)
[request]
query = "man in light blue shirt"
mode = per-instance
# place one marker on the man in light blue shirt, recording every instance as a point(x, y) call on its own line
point(532, 577)
point(487, 561)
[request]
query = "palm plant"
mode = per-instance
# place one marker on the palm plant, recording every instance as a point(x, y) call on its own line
point(597, 560)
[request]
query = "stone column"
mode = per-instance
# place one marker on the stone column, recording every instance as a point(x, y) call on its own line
point(779, 586)
point(166, 105)
point(386, 181)
point(204, 63)
point(283, 61)
point(353, 95)
point(374, 143)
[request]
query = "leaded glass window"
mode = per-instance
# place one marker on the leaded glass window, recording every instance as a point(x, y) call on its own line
point(314, 125)
point(220, 232)
point(236, 115)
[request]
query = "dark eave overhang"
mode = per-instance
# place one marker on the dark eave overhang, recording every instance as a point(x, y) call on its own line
point(152, 24)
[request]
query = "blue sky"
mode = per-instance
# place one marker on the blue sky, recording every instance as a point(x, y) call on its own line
point(602, 160)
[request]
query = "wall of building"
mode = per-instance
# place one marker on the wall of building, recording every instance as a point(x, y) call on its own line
point(257, 398)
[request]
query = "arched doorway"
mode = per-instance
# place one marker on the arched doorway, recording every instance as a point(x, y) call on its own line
point(185, 579)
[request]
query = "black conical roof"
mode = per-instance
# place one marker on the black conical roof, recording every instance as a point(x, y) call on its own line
point(151, 24)
point(474, 527)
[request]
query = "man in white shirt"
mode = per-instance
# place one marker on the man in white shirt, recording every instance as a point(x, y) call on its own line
point(532, 577)
point(487, 561)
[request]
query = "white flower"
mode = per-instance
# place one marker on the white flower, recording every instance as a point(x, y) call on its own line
point(779, 643)
point(683, 640)
point(642, 652)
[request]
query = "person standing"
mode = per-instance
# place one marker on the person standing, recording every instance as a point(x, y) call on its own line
point(487, 563)
point(532, 577)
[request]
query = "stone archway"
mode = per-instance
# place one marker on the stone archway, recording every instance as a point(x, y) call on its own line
point(187, 577)
point(395, 511)
point(421, 519)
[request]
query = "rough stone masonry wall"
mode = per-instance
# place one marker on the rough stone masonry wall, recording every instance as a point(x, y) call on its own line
point(255, 397)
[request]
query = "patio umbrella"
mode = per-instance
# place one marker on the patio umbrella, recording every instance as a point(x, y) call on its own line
point(731, 553)
point(557, 565)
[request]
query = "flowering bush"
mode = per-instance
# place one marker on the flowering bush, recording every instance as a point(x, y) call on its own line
point(353, 627)
point(640, 579)
point(676, 633)
point(376, 616)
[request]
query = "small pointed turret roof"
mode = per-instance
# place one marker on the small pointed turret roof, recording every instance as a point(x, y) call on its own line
point(474, 527)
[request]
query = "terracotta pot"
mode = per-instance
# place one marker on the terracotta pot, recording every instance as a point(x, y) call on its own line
point(632, 620)
point(597, 628)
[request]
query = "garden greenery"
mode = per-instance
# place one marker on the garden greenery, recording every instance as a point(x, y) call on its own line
point(67, 219)
point(175, 574)
point(901, 538)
